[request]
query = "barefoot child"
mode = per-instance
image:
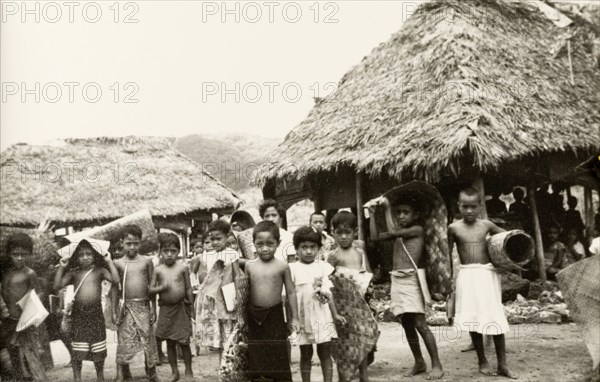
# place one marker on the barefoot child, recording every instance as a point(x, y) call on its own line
point(268, 355)
point(316, 309)
point(351, 261)
point(137, 311)
point(17, 279)
point(408, 297)
point(171, 280)
point(478, 292)
point(214, 323)
point(85, 270)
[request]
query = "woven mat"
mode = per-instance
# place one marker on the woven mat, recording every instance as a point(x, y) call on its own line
point(581, 291)
point(246, 244)
point(234, 363)
point(358, 337)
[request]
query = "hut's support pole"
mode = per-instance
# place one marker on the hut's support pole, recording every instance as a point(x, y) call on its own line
point(539, 245)
point(589, 208)
point(359, 206)
point(479, 186)
point(317, 202)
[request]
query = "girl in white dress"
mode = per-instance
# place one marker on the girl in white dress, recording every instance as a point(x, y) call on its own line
point(316, 310)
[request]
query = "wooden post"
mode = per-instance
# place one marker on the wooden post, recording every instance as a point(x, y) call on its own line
point(588, 207)
point(317, 202)
point(359, 206)
point(479, 186)
point(539, 245)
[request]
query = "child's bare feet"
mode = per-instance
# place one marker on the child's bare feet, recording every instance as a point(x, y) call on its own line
point(503, 370)
point(435, 373)
point(471, 347)
point(175, 377)
point(188, 377)
point(485, 369)
point(420, 367)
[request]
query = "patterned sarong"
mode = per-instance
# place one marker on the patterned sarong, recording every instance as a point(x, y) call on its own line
point(136, 334)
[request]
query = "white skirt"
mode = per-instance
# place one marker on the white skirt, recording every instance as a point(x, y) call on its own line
point(479, 300)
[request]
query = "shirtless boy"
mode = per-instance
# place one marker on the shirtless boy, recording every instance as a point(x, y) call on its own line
point(137, 311)
point(268, 355)
point(85, 270)
point(408, 298)
point(171, 280)
point(17, 280)
point(478, 292)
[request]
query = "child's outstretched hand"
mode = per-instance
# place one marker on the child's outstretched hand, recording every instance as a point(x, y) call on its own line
point(340, 320)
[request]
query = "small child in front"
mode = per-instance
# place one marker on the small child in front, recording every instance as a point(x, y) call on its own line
point(17, 280)
point(171, 281)
point(85, 270)
point(408, 297)
point(316, 309)
point(268, 356)
point(137, 311)
point(478, 291)
point(351, 261)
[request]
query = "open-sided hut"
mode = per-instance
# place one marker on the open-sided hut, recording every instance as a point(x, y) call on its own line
point(465, 91)
point(88, 182)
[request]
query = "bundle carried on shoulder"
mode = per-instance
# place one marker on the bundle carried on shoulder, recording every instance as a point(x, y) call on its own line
point(142, 218)
point(510, 250)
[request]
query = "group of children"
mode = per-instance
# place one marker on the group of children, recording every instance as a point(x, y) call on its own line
point(288, 300)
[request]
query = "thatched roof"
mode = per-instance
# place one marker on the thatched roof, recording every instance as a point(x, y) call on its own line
point(81, 180)
point(463, 82)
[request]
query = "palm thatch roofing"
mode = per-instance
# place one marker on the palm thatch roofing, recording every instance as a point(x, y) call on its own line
point(99, 179)
point(463, 83)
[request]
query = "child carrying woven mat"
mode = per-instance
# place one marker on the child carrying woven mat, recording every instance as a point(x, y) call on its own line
point(358, 336)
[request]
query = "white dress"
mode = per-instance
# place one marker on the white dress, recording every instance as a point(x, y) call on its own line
point(316, 321)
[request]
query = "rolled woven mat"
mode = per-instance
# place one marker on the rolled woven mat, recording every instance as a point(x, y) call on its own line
point(360, 333)
point(243, 218)
point(581, 290)
point(142, 218)
point(246, 244)
point(510, 250)
point(434, 217)
point(234, 363)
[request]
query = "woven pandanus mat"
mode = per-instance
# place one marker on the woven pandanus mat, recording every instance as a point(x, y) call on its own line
point(234, 363)
point(435, 227)
point(581, 290)
point(242, 294)
point(246, 244)
point(360, 333)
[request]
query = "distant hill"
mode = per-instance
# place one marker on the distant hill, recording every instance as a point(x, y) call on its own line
point(231, 158)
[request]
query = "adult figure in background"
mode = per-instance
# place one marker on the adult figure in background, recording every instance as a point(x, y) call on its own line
point(270, 210)
point(495, 206)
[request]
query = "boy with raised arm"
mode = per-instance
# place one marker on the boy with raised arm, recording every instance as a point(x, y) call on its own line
point(171, 280)
point(478, 291)
point(85, 270)
point(137, 311)
point(408, 298)
point(268, 355)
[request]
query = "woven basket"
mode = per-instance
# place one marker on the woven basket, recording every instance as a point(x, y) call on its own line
point(358, 337)
point(234, 363)
point(581, 291)
point(510, 250)
point(435, 225)
point(142, 218)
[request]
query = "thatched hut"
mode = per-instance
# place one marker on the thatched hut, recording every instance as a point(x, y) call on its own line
point(465, 91)
point(88, 182)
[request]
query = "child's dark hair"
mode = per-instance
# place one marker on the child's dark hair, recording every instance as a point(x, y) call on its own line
point(344, 218)
point(518, 193)
point(266, 226)
point(167, 238)
point(267, 203)
point(315, 214)
point(219, 225)
point(408, 200)
point(304, 234)
point(132, 230)
point(19, 240)
point(572, 202)
point(115, 242)
point(205, 236)
point(470, 191)
point(195, 241)
point(74, 259)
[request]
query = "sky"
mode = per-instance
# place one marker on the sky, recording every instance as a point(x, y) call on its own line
point(172, 68)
